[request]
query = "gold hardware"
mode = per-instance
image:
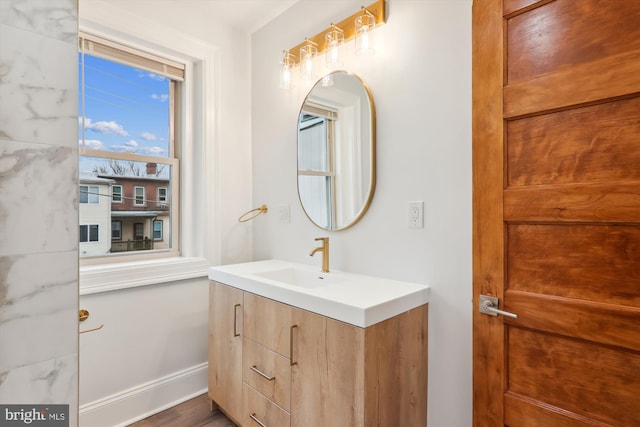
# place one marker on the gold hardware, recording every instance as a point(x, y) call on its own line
point(291, 362)
point(83, 315)
point(91, 330)
point(235, 320)
point(262, 209)
point(325, 252)
point(255, 369)
point(377, 9)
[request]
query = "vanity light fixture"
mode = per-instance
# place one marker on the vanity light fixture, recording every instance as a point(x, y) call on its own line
point(365, 24)
point(286, 73)
point(359, 25)
point(334, 39)
point(308, 52)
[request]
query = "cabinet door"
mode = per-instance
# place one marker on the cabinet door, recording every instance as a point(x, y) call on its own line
point(225, 348)
point(267, 322)
point(327, 376)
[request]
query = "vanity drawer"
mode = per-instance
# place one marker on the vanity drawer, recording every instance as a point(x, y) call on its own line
point(268, 372)
point(263, 411)
point(267, 322)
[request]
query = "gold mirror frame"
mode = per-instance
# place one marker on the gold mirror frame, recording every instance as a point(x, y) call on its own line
point(321, 103)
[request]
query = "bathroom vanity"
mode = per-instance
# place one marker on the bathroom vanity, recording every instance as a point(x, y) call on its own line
point(292, 346)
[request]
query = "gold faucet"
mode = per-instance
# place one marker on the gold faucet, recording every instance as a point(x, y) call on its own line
point(325, 253)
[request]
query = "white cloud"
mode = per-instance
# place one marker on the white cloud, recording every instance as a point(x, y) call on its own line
point(153, 150)
point(163, 97)
point(148, 136)
point(152, 76)
point(93, 144)
point(105, 127)
point(131, 146)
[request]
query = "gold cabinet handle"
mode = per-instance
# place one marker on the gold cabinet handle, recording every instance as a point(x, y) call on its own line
point(255, 369)
point(254, 418)
point(292, 362)
point(235, 320)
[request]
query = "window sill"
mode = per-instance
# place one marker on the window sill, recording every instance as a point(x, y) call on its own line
point(109, 277)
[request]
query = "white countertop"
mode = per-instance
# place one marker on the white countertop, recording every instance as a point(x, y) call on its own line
point(356, 299)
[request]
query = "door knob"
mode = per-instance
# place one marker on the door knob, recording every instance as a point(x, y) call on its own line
point(489, 305)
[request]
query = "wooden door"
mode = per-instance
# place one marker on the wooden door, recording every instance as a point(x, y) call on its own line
point(225, 348)
point(556, 157)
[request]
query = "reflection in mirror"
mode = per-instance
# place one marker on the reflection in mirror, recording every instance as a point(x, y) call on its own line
point(336, 151)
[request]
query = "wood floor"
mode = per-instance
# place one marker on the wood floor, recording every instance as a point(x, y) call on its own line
point(192, 413)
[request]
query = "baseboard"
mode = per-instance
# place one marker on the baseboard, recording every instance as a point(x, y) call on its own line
point(136, 403)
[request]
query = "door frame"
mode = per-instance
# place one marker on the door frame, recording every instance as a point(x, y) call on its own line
point(488, 226)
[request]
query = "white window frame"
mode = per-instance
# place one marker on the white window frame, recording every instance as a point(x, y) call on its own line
point(199, 212)
point(153, 230)
point(113, 195)
point(162, 200)
point(142, 201)
point(92, 194)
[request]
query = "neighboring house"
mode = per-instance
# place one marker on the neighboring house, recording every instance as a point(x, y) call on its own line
point(95, 214)
point(139, 212)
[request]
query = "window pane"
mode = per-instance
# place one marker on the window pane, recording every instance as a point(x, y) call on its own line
point(117, 193)
point(157, 230)
point(116, 230)
point(135, 186)
point(125, 109)
point(138, 231)
point(93, 233)
point(84, 194)
point(84, 233)
point(93, 194)
point(313, 144)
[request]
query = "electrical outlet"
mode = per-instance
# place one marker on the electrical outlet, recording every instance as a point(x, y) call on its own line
point(415, 214)
point(284, 214)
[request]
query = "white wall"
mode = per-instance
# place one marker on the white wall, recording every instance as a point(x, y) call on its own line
point(152, 351)
point(421, 84)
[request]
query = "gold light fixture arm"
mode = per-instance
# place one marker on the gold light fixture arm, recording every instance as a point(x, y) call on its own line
point(376, 10)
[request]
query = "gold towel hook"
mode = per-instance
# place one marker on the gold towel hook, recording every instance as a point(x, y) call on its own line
point(262, 209)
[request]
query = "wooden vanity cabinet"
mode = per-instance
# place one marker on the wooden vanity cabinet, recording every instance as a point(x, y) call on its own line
point(325, 372)
point(225, 349)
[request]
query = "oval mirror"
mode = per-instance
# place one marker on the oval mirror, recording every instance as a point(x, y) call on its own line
point(336, 151)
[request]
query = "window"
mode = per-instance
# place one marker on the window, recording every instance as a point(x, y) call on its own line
point(157, 230)
point(89, 233)
point(116, 194)
point(162, 196)
point(138, 231)
point(116, 230)
point(129, 101)
point(139, 196)
point(89, 194)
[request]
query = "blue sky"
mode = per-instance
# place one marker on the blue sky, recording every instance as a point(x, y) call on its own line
point(125, 109)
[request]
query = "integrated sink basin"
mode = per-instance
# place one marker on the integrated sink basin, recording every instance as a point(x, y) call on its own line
point(356, 299)
point(303, 278)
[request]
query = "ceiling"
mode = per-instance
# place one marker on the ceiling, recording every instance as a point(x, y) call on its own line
point(246, 15)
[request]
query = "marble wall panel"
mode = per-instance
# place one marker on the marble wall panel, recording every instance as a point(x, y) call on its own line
point(38, 300)
point(38, 88)
point(38, 198)
point(56, 19)
point(50, 381)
